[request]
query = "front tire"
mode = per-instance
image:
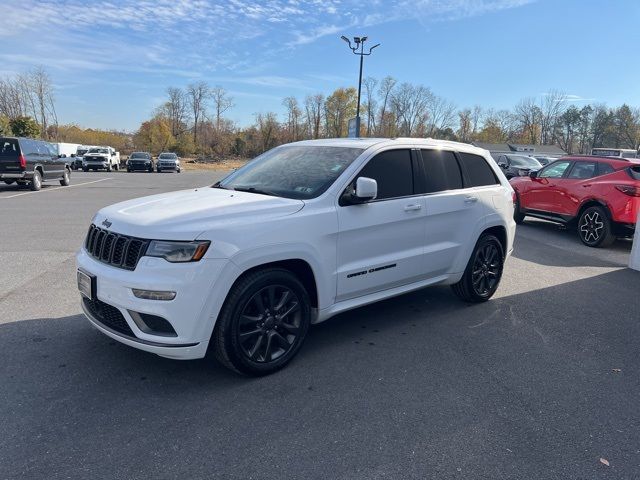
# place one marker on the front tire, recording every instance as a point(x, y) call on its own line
point(85, 169)
point(36, 181)
point(263, 322)
point(9, 182)
point(482, 276)
point(66, 178)
point(594, 228)
point(159, 170)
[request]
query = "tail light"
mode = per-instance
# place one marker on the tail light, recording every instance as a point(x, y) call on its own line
point(630, 190)
point(23, 161)
point(514, 197)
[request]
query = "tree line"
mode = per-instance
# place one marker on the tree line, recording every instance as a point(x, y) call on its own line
point(193, 119)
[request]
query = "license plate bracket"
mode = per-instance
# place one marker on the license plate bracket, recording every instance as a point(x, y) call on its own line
point(86, 284)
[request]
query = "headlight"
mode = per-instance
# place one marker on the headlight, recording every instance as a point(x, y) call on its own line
point(177, 251)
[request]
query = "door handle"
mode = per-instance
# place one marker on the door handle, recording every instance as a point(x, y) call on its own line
point(413, 207)
point(470, 199)
point(586, 185)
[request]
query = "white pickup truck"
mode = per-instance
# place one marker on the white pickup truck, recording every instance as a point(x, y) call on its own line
point(101, 158)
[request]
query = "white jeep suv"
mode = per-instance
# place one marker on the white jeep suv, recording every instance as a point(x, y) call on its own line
point(303, 232)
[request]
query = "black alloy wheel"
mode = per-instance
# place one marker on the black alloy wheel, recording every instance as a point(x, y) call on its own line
point(487, 267)
point(594, 228)
point(263, 322)
point(269, 324)
point(483, 273)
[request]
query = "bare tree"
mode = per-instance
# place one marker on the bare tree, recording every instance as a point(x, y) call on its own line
point(370, 84)
point(313, 107)
point(177, 110)
point(384, 92)
point(441, 114)
point(409, 103)
point(293, 118)
point(198, 94)
point(529, 114)
point(221, 103)
point(552, 107)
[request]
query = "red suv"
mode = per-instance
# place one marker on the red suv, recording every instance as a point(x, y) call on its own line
point(598, 195)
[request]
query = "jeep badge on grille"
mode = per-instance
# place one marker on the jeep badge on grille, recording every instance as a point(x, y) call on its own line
point(106, 223)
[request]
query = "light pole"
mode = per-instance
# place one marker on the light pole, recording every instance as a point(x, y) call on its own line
point(359, 45)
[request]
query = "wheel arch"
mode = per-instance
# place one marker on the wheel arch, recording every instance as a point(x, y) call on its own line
point(500, 232)
point(592, 202)
point(299, 267)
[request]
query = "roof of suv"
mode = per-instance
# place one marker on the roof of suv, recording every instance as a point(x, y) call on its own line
point(370, 142)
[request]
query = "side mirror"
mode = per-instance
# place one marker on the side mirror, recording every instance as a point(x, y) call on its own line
point(366, 189)
point(73, 155)
point(533, 174)
point(503, 165)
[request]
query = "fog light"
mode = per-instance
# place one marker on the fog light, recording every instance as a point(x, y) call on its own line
point(153, 294)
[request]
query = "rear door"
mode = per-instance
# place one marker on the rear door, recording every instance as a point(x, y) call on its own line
point(574, 186)
point(9, 155)
point(381, 243)
point(451, 210)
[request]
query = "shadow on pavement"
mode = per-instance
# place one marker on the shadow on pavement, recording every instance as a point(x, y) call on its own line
point(417, 386)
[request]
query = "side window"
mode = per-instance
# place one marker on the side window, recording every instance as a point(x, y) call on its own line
point(582, 170)
point(555, 170)
point(27, 147)
point(393, 172)
point(479, 173)
point(605, 168)
point(442, 171)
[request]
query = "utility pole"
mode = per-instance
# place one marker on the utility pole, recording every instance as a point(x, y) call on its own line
point(358, 49)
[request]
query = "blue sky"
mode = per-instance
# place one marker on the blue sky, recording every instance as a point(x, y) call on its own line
point(111, 61)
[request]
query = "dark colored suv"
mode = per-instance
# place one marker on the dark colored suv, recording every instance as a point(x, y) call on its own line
point(140, 161)
point(30, 162)
point(518, 165)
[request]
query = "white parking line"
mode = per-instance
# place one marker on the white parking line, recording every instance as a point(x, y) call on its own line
point(51, 189)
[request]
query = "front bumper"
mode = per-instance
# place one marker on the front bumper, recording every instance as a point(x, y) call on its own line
point(140, 166)
point(192, 313)
point(95, 164)
point(168, 166)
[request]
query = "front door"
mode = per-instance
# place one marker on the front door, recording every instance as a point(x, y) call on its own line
point(543, 195)
point(381, 243)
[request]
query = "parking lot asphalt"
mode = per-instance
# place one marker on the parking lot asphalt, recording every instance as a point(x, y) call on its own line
point(542, 382)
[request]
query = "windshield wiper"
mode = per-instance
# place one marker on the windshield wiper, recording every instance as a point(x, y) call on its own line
point(218, 184)
point(241, 188)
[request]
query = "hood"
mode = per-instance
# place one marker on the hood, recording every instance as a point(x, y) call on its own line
point(185, 214)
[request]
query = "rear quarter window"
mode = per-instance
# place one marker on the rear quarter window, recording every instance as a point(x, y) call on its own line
point(634, 172)
point(478, 173)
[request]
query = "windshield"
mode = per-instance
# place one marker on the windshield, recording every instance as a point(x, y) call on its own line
point(98, 150)
point(293, 171)
point(139, 155)
point(523, 161)
point(165, 156)
point(81, 151)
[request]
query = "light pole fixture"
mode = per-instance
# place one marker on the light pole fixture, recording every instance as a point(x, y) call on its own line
point(358, 49)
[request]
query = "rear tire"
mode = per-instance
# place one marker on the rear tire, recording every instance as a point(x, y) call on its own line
point(482, 276)
point(36, 181)
point(594, 228)
point(66, 178)
point(263, 322)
